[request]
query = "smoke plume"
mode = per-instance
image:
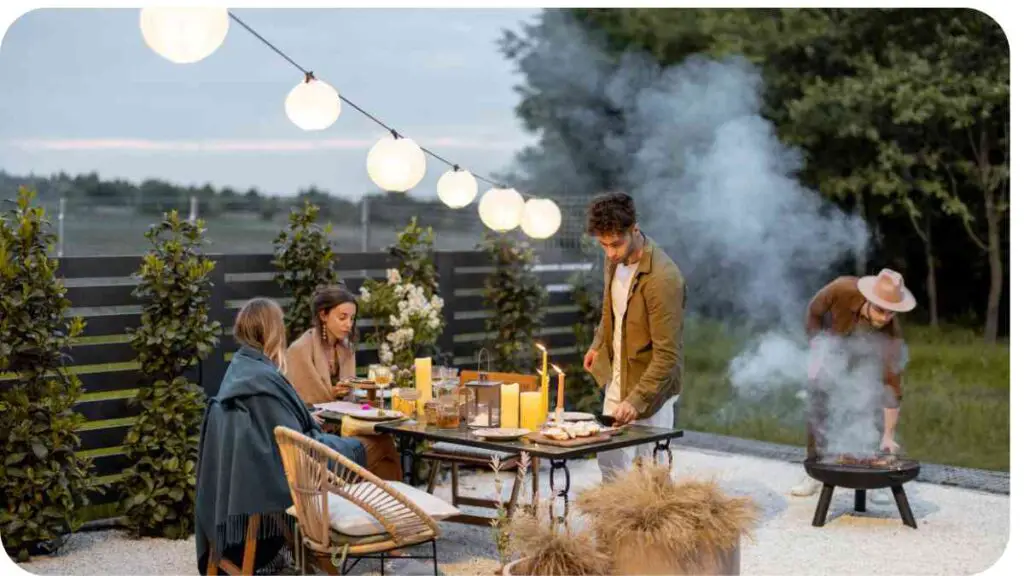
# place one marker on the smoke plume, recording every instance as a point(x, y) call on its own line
point(715, 187)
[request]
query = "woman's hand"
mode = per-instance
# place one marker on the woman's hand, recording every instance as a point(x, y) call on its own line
point(341, 389)
point(317, 417)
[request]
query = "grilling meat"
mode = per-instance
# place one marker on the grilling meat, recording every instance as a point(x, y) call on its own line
point(874, 461)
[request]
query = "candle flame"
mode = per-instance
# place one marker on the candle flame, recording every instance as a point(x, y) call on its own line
point(540, 372)
point(541, 347)
point(557, 369)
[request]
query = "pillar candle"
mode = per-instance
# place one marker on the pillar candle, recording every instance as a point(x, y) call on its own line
point(510, 405)
point(423, 383)
point(531, 411)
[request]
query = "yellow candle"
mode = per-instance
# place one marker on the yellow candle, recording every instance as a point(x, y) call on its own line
point(544, 378)
point(531, 411)
point(423, 383)
point(510, 405)
point(560, 406)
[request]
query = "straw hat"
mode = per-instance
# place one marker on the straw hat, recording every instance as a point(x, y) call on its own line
point(886, 290)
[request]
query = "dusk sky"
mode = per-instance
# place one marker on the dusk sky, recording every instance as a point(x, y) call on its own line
point(80, 91)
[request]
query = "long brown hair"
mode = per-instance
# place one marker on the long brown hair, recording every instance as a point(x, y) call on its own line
point(260, 324)
point(329, 297)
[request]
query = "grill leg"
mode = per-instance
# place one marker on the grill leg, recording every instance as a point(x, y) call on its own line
point(860, 501)
point(823, 502)
point(904, 506)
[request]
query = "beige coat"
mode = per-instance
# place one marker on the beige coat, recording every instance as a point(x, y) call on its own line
point(307, 368)
point(652, 333)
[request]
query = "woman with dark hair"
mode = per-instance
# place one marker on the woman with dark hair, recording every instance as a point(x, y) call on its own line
point(240, 473)
point(324, 356)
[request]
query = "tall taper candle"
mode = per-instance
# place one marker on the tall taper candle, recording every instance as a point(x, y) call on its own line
point(560, 406)
point(545, 396)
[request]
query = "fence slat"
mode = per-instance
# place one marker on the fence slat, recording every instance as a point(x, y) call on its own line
point(110, 324)
point(107, 409)
point(88, 354)
point(98, 266)
point(99, 296)
point(103, 437)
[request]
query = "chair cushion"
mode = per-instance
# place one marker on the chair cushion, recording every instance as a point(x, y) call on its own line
point(351, 520)
point(471, 451)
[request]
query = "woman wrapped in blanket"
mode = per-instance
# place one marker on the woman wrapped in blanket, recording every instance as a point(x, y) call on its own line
point(237, 443)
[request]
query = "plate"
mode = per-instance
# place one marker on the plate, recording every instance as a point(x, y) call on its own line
point(575, 416)
point(373, 414)
point(500, 433)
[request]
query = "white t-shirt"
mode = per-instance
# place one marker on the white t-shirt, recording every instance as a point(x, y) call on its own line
point(620, 291)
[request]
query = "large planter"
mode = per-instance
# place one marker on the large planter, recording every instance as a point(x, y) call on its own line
point(633, 558)
point(652, 561)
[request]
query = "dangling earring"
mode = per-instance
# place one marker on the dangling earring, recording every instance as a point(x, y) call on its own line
point(323, 332)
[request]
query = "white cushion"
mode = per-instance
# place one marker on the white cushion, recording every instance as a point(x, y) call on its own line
point(351, 520)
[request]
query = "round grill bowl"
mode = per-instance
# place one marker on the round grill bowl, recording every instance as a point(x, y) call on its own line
point(860, 477)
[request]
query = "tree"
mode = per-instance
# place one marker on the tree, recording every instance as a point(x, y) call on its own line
point(43, 482)
point(304, 259)
point(515, 297)
point(175, 333)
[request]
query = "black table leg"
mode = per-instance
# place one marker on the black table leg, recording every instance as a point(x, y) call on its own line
point(562, 493)
point(860, 501)
point(407, 452)
point(823, 502)
point(663, 446)
point(904, 506)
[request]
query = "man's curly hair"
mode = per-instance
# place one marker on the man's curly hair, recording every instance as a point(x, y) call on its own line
point(612, 213)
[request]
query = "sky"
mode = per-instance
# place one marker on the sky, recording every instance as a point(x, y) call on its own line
point(80, 91)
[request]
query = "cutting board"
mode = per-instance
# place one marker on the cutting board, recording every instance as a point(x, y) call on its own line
point(571, 443)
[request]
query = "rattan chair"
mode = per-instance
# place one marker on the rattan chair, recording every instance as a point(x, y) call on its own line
point(315, 470)
point(454, 455)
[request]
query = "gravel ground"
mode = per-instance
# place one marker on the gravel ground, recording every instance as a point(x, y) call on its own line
point(960, 531)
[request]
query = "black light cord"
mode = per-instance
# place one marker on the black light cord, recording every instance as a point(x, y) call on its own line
point(395, 133)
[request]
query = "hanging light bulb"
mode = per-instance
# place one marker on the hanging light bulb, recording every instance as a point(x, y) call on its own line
point(456, 188)
point(501, 209)
point(184, 35)
point(396, 164)
point(313, 104)
point(541, 218)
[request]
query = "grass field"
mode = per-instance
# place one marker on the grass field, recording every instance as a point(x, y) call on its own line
point(956, 404)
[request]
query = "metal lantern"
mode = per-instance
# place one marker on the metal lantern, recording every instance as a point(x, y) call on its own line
point(484, 403)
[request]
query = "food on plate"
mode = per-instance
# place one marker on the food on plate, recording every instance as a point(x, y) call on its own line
point(570, 430)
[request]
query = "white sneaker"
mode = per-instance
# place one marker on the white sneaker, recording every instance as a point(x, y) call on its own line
point(807, 487)
point(881, 497)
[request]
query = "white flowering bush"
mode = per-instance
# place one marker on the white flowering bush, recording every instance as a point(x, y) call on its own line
point(405, 308)
point(406, 320)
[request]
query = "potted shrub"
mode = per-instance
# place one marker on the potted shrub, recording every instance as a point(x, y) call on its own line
point(304, 259)
point(43, 482)
point(549, 547)
point(651, 524)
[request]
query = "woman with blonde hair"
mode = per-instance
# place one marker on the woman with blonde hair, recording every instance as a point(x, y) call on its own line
point(240, 473)
point(324, 356)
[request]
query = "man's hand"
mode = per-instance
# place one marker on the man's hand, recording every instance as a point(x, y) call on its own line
point(624, 413)
point(588, 360)
point(889, 445)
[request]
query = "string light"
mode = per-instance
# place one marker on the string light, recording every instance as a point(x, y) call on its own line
point(184, 35)
point(313, 104)
point(501, 209)
point(541, 218)
point(396, 163)
point(457, 188)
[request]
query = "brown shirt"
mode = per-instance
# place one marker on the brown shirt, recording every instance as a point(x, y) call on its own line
point(308, 370)
point(837, 309)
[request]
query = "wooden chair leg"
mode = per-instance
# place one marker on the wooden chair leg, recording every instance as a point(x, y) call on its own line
point(435, 468)
point(455, 483)
point(211, 562)
point(249, 555)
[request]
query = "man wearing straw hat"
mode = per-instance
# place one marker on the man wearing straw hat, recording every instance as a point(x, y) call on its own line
point(860, 315)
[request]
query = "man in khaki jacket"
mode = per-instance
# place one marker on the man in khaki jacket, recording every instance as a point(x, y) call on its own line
point(637, 354)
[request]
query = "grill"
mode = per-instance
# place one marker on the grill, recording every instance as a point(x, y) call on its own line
point(862, 473)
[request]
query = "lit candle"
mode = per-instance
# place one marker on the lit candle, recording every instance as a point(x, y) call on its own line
point(559, 408)
point(544, 378)
point(423, 383)
point(532, 411)
point(510, 405)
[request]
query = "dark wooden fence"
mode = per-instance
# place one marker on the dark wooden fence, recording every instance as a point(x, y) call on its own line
point(100, 290)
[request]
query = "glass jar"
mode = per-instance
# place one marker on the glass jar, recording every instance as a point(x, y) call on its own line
point(447, 413)
point(430, 412)
point(404, 400)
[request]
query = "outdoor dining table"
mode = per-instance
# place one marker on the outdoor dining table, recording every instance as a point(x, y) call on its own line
point(408, 432)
